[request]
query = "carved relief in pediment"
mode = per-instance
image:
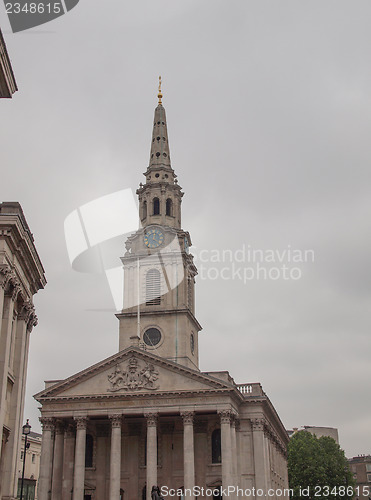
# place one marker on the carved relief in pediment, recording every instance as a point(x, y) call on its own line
point(132, 376)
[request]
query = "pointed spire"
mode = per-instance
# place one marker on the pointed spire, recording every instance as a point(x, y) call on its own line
point(160, 152)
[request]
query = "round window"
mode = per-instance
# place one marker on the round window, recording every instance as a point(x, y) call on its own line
point(152, 336)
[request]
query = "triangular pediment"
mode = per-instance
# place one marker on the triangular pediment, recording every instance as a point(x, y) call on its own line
point(132, 372)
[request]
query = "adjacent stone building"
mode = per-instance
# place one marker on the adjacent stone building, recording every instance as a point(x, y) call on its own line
point(32, 466)
point(7, 81)
point(361, 469)
point(147, 415)
point(21, 276)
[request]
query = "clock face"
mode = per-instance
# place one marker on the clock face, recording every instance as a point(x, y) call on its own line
point(153, 238)
point(152, 336)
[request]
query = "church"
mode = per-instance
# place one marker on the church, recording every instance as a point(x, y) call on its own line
point(147, 415)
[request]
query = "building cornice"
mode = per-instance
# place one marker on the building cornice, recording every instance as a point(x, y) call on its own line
point(14, 230)
point(8, 84)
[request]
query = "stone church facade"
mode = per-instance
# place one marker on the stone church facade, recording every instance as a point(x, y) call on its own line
point(147, 415)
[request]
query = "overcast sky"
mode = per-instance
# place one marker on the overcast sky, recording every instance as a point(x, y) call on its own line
point(269, 119)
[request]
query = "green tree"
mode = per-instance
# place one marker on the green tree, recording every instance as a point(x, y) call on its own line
point(318, 468)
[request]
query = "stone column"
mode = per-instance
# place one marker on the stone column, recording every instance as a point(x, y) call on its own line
point(5, 275)
point(151, 452)
point(68, 462)
point(115, 461)
point(58, 462)
point(260, 465)
point(234, 453)
point(225, 428)
point(45, 477)
point(6, 327)
point(188, 453)
point(17, 364)
point(79, 476)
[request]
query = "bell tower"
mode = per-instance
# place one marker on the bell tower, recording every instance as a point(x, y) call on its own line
point(159, 273)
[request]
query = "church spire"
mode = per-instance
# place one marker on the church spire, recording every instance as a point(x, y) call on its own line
point(160, 152)
point(161, 196)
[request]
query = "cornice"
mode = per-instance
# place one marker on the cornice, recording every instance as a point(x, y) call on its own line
point(128, 396)
point(116, 358)
point(8, 85)
point(161, 313)
point(21, 244)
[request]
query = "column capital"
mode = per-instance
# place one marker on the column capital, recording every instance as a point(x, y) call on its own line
point(188, 417)
point(69, 431)
point(81, 422)
point(151, 419)
point(236, 422)
point(28, 314)
point(16, 291)
point(26, 310)
point(225, 416)
point(257, 424)
point(5, 275)
point(47, 423)
point(59, 427)
point(116, 419)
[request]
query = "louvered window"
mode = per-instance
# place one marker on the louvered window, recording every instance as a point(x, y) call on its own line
point(153, 287)
point(169, 207)
point(156, 206)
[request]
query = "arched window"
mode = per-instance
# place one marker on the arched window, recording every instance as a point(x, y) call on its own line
point(89, 451)
point(216, 447)
point(153, 287)
point(156, 206)
point(122, 494)
point(169, 207)
point(144, 209)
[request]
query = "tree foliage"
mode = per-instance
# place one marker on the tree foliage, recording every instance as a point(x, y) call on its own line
point(318, 468)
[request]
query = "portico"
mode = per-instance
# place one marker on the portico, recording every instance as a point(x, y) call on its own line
point(97, 444)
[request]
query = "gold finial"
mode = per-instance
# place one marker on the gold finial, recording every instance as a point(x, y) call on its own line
point(159, 95)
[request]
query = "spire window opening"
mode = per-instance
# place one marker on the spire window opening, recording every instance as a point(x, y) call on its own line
point(156, 206)
point(153, 287)
point(169, 207)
